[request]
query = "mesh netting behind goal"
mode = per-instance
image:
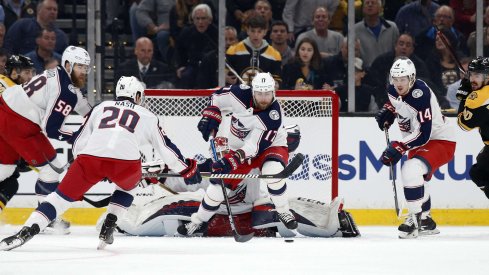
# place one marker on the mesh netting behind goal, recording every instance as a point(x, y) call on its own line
point(316, 113)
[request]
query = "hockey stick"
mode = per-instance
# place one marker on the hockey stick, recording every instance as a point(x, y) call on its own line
point(287, 172)
point(394, 188)
point(450, 49)
point(58, 170)
point(234, 72)
point(237, 236)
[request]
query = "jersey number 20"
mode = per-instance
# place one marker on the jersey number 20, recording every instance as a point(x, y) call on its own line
point(127, 119)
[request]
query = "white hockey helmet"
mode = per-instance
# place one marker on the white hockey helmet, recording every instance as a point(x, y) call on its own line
point(77, 55)
point(130, 86)
point(262, 83)
point(403, 66)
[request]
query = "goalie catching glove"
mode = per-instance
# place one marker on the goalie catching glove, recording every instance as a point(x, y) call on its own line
point(393, 153)
point(229, 162)
point(210, 121)
point(386, 116)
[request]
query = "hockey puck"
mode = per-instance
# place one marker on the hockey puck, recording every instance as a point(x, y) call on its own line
point(289, 241)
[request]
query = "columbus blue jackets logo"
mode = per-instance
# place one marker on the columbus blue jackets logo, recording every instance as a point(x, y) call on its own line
point(417, 93)
point(404, 124)
point(72, 88)
point(274, 115)
point(238, 129)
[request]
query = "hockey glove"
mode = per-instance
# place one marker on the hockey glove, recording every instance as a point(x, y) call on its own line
point(191, 174)
point(386, 115)
point(209, 123)
point(393, 153)
point(464, 90)
point(229, 162)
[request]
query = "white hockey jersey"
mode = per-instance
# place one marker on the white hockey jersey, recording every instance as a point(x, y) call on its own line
point(251, 130)
point(419, 116)
point(47, 100)
point(118, 129)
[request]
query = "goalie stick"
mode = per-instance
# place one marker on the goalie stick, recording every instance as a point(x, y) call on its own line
point(394, 187)
point(287, 172)
point(237, 236)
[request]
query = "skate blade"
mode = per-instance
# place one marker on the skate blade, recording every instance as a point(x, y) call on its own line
point(412, 235)
point(56, 231)
point(6, 247)
point(101, 245)
point(429, 232)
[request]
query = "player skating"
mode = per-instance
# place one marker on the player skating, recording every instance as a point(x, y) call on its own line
point(473, 113)
point(37, 109)
point(257, 140)
point(426, 136)
point(108, 146)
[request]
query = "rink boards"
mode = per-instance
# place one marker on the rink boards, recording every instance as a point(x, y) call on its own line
point(363, 182)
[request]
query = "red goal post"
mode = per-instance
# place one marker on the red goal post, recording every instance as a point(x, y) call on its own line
point(316, 113)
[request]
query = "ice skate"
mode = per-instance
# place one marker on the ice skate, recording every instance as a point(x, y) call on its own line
point(107, 232)
point(410, 228)
point(428, 227)
point(288, 219)
point(24, 235)
point(193, 228)
point(58, 227)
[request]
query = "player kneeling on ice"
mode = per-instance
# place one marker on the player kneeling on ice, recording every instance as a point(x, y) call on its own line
point(155, 212)
point(427, 137)
point(108, 146)
point(257, 140)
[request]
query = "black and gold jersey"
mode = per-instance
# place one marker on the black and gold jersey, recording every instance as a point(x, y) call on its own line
point(475, 113)
point(5, 82)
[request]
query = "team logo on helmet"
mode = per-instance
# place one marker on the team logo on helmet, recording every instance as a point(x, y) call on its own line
point(274, 115)
point(417, 93)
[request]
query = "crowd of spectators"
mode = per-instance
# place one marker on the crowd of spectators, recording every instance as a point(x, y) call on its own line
point(302, 43)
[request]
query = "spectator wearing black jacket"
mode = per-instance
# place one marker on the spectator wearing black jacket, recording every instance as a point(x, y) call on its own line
point(193, 43)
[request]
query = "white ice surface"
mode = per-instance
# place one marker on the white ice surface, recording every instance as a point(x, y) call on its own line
point(457, 250)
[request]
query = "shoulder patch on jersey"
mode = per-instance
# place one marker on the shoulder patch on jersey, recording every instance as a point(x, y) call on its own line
point(51, 73)
point(72, 88)
point(244, 86)
point(274, 115)
point(417, 93)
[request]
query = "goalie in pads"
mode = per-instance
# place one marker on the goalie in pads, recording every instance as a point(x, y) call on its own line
point(156, 212)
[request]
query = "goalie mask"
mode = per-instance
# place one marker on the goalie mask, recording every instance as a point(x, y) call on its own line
point(130, 87)
point(403, 68)
point(221, 145)
point(76, 55)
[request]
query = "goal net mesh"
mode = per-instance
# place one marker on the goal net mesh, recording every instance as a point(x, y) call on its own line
point(316, 113)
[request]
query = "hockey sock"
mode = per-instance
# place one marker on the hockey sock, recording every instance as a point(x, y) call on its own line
point(120, 201)
point(210, 203)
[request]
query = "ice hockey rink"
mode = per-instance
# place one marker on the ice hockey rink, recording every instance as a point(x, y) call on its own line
point(457, 250)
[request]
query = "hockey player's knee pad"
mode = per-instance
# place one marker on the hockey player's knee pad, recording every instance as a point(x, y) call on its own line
point(6, 170)
point(272, 167)
point(412, 172)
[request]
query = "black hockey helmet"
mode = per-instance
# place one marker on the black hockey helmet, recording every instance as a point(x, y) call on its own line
point(18, 62)
point(479, 65)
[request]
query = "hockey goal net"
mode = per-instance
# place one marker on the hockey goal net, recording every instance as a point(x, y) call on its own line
point(316, 113)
